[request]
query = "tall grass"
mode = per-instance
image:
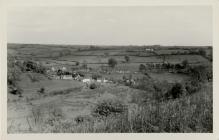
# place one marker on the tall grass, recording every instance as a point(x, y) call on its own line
point(188, 114)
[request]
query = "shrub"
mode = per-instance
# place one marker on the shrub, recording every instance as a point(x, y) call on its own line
point(55, 111)
point(84, 64)
point(14, 71)
point(178, 66)
point(16, 90)
point(160, 90)
point(112, 62)
point(40, 69)
point(176, 91)
point(192, 86)
point(77, 63)
point(144, 84)
point(109, 107)
point(82, 74)
point(199, 72)
point(93, 86)
point(42, 90)
point(34, 67)
point(82, 119)
point(202, 52)
point(127, 58)
point(185, 63)
point(142, 67)
point(96, 76)
point(124, 78)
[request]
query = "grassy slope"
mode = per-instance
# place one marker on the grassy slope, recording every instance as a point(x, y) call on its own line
point(187, 114)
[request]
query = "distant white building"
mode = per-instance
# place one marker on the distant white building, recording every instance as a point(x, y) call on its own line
point(53, 69)
point(99, 81)
point(67, 77)
point(149, 49)
point(86, 80)
point(64, 68)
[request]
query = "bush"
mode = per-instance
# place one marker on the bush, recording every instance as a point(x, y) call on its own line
point(112, 62)
point(142, 67)
point(185, 63)
point(202, 52)
point(83, 119)
point(199, 73)
point(96, 76)
point(144, 84)
point(93, 86)
point(176, 91)
point(14, 71)
point(127, 58)
point(42, 90)
point(82, 74)
point(160, 90)
point(16, 90)
point(179, 66)
point(55, 111)
point(192, 86)
point(84, 64)
point(34, 67)
point(109, 107)
point(77, 63)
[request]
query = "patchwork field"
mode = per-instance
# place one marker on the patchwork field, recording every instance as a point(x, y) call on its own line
point(41, 100)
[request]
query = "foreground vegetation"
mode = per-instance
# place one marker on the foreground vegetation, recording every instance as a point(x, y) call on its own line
point(186, 114)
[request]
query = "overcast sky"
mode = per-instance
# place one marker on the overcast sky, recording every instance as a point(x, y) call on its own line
point(176, 25)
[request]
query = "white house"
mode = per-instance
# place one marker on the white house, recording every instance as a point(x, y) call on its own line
point(64, 68)
point(86, 80)
point(67, 77)
point(149, 50)
point(99, 81)
point(105, 81)
point(53, 69)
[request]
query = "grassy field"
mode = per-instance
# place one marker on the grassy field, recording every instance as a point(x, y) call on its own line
point(55, 105)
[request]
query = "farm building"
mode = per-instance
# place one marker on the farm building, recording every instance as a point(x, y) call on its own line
point(149, 50)
point(67, 77)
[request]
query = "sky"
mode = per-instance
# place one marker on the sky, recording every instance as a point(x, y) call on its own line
point(136, 25)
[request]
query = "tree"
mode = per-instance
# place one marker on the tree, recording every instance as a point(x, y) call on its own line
point(84, 65)
point(77, 63)
point(199, 73)
point(112, 62)
point(93, 86)
point(176, 91)
point(127, 58)
point(142, 67)
point(124, 78)
point(96, 76)
point(202, 52)
point(178, 66)
point(41, 90)
point(185, 63)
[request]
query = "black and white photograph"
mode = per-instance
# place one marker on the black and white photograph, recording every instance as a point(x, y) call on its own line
point(110, 69)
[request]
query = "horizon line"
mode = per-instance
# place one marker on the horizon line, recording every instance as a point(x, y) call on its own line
point(104, 45)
